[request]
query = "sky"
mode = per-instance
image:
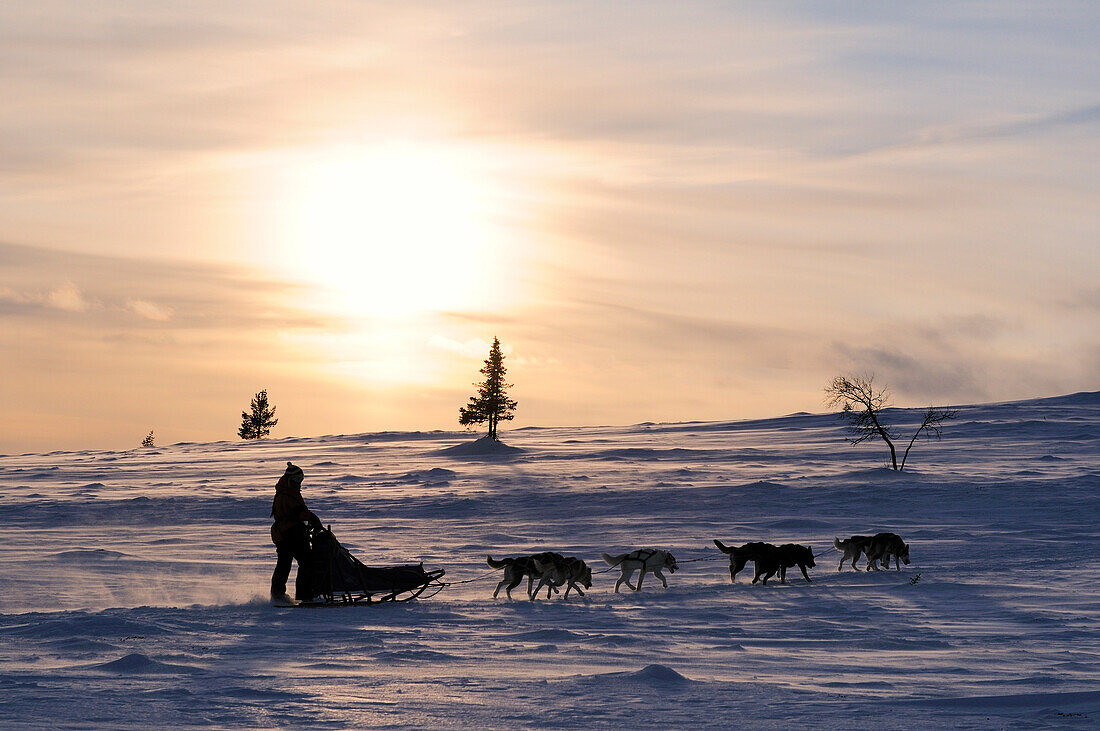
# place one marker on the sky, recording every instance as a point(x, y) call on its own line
point(665, 211)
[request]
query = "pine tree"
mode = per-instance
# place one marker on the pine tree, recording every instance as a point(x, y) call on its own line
point(258, 423)
point(491, 404)
point(149, 440)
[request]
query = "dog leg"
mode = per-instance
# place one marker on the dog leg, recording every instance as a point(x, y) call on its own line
point(841, 565)
point(661, 576)
point(803, 567)
point(768, 576)
point(736, 564)
point(502, 583)
point(782, 574)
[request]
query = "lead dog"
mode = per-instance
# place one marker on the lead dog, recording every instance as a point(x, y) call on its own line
point(515, 569)
point(652, 560)
point(851, 548)
point(570, 571)
point(883, 546)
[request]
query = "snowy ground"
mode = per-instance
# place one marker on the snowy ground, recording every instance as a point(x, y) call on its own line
point(134, 582)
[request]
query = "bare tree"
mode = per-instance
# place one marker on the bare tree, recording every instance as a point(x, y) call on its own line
point(150, 440)
point(862, 405)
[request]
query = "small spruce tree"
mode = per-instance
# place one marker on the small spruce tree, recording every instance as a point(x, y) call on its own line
point(257, 423)
point(491, 405)
point(149, 440)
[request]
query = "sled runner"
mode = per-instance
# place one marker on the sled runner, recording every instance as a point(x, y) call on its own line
point(339, 579)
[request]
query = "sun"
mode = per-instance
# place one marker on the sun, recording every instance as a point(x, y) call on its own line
point(395, 229)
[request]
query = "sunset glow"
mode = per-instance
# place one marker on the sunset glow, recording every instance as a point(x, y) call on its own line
point(668, 211)
point(393, 230)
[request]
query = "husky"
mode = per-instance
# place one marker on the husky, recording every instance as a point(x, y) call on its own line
point(883, 546)
point(851, 548)
point(787, 556)
point(515, 569)
point(741, 555)
point(570, 571)
point(768, 560)
point(652, 560)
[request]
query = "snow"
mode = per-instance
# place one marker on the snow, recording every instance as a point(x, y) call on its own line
point(484, 447)
point(135, 582)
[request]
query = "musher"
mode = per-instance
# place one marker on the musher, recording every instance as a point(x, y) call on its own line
point(290, 535)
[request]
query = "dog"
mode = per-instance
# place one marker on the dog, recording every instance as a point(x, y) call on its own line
point(570, 571)
point(651, 560)
point(787, 556)
point(883, 546)
point(741, 555)
point(519, 567)
point(851, 548)
point(768, 560)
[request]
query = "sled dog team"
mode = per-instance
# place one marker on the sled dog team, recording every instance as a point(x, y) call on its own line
point(553, 570)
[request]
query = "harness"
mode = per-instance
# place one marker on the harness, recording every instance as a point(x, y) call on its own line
point(635, 555)
point(650, 553)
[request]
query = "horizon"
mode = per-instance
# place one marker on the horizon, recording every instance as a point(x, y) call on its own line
point(665, 213)
point(478, 434)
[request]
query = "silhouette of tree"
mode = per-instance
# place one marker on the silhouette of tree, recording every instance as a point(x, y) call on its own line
point(149, 440)
point(491, 404)
point(862, 405)
point(258, 423)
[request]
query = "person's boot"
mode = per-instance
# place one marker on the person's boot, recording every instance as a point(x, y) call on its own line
point(279, 595)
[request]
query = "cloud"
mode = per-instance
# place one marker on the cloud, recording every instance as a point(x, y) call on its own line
point(107, 292)
point(474, 349)
point(11, 296)
point(67, 297)
point(149, 310)
point(478, 349)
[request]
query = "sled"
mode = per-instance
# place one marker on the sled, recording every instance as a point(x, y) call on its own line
point(339, 579)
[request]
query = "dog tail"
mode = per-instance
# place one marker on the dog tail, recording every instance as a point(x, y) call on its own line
point(613, 560)
point(837, 544)
point(497, 564)
point(722, 547)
